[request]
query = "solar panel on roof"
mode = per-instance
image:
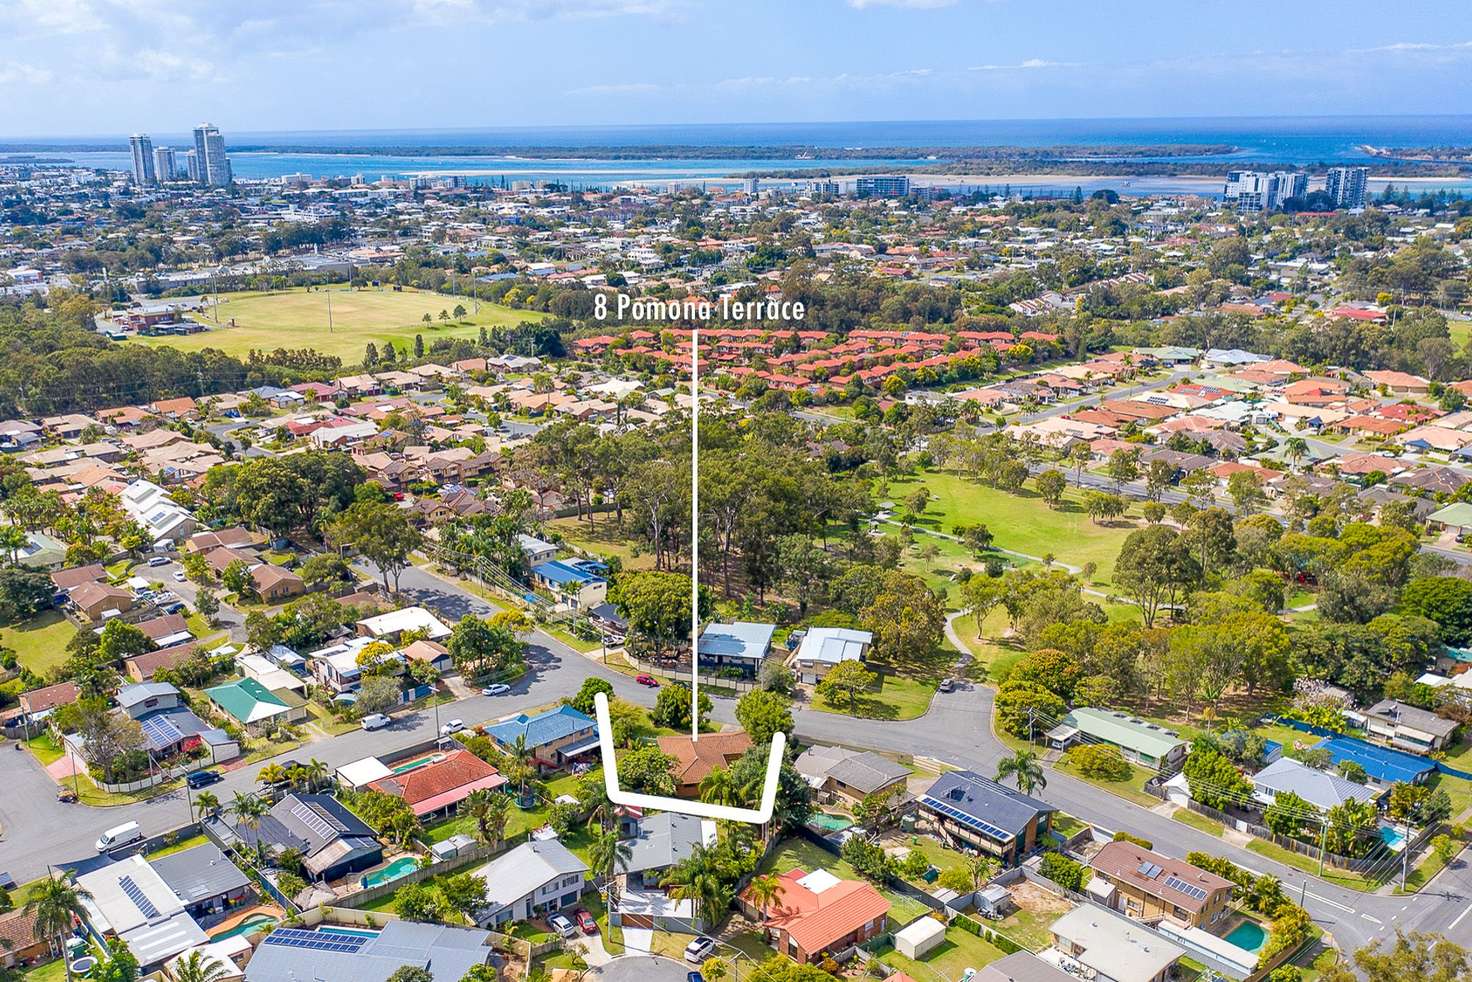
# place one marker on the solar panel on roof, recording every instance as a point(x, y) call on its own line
point(1189, 889)
point(140, 900)
point(970, 820)
point(161, 731)
point(316, 940)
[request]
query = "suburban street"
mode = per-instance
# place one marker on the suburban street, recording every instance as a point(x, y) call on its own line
point(956, 730)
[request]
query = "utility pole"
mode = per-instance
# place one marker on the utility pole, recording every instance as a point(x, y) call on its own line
point(329, 311)
point(1323, 841)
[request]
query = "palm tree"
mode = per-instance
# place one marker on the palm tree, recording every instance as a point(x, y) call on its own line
point(699, 877)
point(719, 788)
point(593, 799)
point(765, 889)
point(1295, 448)
point(489, 811)
point(519, 764)
point(248, 811)
point(606, 854)
point(198, 967)
point(317, 774)
point(208, 803)
point(271, 774)
point(56, 905)
point(1024, 767)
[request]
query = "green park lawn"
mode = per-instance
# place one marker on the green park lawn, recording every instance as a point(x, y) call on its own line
point(40, 643)
point(1021, 522)
point(298, 319)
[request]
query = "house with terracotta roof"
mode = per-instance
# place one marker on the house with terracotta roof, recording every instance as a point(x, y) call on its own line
point(93, 600)
point(18, 941)
point(694, 759)
point(1399, 383)
point(1147, 886)
point(37, 703)
point(439, 786)
point(816, 914)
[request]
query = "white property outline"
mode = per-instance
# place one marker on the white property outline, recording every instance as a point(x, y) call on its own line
point(630, 799)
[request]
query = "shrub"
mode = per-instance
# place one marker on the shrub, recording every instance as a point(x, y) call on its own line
point(1127, 837)
point(1063, 871)
point(1100, 762)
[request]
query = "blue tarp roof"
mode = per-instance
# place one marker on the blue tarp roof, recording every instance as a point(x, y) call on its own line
point(1381, 763)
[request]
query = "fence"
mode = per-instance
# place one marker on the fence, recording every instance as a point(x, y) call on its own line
point(152, 780)
point(680, 673)
point(467, 857)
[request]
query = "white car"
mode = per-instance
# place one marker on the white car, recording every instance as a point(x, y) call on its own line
point(499, 689)
point(699, 950)
point(563, 925)
point(375, 721)
point(453, 726)
point(179, 576)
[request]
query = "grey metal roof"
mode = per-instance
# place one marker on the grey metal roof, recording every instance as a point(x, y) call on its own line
point(1394, 711)
point(200, 873)
point(1022, 966)
point(862, 770)
point(1319, 788)
point(446, 952)
point(743, 639)
point(664, 840)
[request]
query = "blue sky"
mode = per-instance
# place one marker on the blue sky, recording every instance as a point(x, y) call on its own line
point(82, 67)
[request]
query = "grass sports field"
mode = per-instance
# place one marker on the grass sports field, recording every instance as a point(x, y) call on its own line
point(298, 319)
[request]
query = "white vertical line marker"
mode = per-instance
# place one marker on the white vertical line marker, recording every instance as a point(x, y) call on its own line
point(695, 533)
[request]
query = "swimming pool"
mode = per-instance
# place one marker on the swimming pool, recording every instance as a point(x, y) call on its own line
point(1249, 936)
point(253, 924)
point(1393, 837)
point(410, 765)
point(402, 866)
point(829, 823)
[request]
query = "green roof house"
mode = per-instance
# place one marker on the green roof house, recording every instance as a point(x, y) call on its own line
point(256, 707)
point(1142, 742)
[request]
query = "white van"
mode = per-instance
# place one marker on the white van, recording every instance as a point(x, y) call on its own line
point(119, 835)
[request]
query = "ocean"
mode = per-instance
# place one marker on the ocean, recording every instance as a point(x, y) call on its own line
point(1300, 141)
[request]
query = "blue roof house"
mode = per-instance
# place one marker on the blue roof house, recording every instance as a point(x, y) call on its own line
point(1383, 765)
point(577, 584)
point(554, 737)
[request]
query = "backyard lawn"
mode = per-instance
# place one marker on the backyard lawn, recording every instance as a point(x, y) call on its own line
point(298, 318)
point(949, 960)
point(40, 643)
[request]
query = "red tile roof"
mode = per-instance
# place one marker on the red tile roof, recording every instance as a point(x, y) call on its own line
point(818, 920)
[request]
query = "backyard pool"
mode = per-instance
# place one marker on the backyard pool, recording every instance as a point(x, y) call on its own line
point(410, 765)
point(1249, 936)
point(402, 866)
point(1394, 838)
point(829, 823)
point(254, 924)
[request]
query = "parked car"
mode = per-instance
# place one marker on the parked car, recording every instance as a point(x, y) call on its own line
point(499, 689)
point(585, 921)
point(375, 721)
point(694, 977)
point(453, 726)
point(562, 925)
point(159, 560)
point(947, 685)
point(119, 835)
point(700, 949)
point(648, 680)
point(179, 576)
point(203, 779)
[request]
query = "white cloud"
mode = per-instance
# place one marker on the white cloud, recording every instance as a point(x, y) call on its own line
point(19, 73)
point(1027, 65)
point(617, 88)
point(902, 4)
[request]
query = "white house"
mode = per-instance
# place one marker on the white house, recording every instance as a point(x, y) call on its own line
point(824, 647)
point(533, 879)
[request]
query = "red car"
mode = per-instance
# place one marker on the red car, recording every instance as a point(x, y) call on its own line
point(648, 680)
point(585, 921)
